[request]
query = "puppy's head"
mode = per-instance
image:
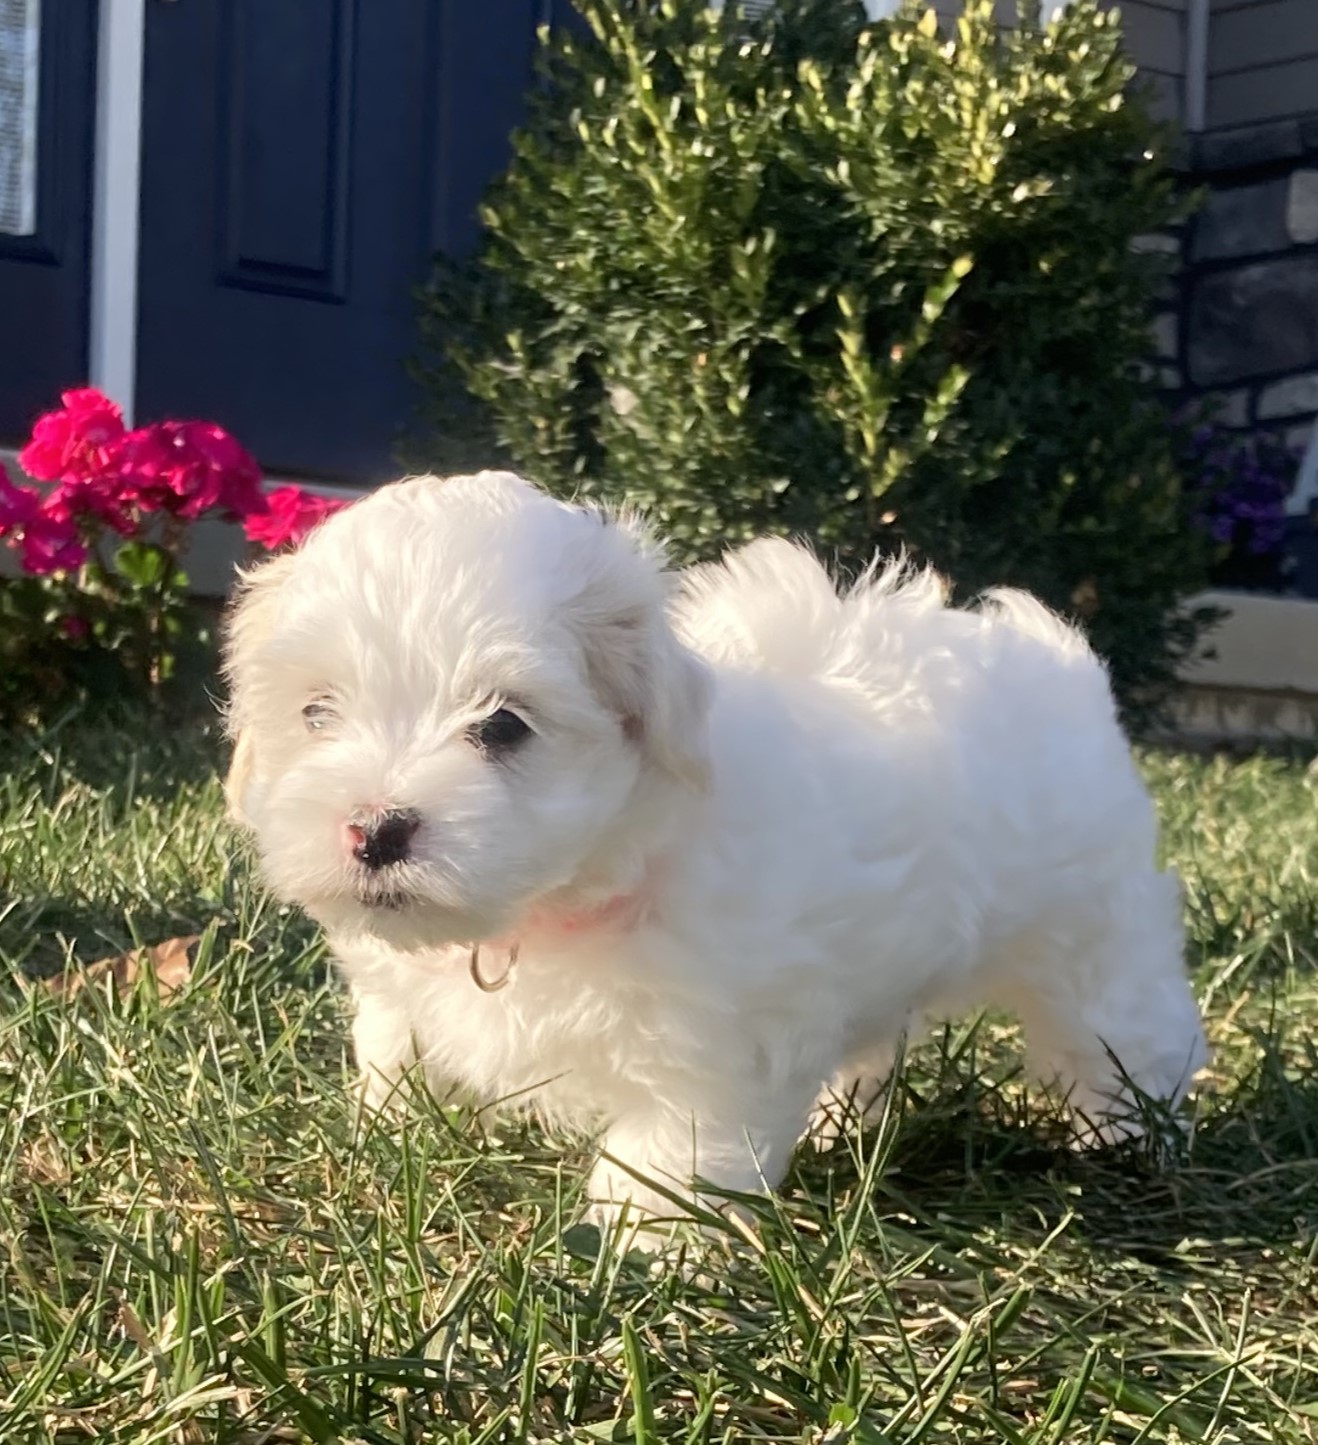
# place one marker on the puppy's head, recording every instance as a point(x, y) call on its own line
point(443, 706)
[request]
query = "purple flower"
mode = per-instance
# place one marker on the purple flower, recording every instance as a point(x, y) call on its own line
point(1240, 486)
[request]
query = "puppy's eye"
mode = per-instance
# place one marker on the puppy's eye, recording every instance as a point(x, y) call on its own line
point(317, 714)
point(500, 732)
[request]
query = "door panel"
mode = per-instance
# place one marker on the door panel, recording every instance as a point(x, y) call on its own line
point(302, 161)
point(46, 141)
point(284, 149)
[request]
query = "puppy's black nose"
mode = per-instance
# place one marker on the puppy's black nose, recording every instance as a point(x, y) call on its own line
point(384, 838)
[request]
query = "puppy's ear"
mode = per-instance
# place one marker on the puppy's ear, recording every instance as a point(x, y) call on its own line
point(674, 719)
point(250, 620)
point(657, 687)
point(237, 778)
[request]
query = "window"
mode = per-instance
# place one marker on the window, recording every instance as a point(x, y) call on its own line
point(20, 26)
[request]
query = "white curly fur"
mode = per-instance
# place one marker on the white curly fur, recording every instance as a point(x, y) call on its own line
point(833, 813)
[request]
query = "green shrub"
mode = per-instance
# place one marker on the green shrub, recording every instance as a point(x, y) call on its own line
point(873, 284)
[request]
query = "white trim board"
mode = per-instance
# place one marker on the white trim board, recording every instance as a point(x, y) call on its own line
point(1306, 483)
point(112, 358)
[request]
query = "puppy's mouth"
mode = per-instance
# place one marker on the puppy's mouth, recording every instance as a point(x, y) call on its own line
point(385, 902)
point(384, 895)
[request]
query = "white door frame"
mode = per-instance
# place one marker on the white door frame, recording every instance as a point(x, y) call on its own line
point(112, 356)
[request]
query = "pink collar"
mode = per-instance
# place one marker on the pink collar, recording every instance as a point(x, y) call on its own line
point(621, 913)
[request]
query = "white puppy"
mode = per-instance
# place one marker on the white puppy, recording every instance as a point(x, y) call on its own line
point(682, 864)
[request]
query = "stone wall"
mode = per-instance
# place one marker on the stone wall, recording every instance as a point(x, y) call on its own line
point(1244, 330)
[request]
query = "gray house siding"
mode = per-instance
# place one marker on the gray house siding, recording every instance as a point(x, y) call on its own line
point(1155, 39)
point(1262, 60)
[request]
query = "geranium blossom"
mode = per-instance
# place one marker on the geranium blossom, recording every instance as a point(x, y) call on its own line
point(46, 539)
point(189, 468)
point(239, 491)
point(103, 472)
point(18, 504)
point(86, 592)
point(98, 497)
point(101, 475)
point(74, 443)
point(50, 544)
point(289, 515)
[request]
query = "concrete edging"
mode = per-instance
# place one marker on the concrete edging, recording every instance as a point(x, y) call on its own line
point(1260, 681)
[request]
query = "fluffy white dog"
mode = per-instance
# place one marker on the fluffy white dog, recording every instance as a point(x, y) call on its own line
point(682, 859)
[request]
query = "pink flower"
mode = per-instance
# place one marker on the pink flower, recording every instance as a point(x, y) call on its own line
point(18, 504)
point(51, 544)
point(73, 444)
point(239, 486)
point(46, 538)
point(74, 628)
point(188, 468)
point(103, 497)
point(144, 469)
point(289, 516)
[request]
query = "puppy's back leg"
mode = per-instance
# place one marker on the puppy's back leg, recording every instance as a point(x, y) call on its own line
point(1107, 1007)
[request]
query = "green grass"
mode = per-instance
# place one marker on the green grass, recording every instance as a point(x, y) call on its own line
point(201, 1239)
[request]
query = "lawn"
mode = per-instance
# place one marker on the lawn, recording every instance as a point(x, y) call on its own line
point(201, 1239)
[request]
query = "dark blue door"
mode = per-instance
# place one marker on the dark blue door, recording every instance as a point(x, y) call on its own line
point(302, 161)
point(47, 111)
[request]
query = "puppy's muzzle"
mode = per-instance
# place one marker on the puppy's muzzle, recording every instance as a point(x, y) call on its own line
point(383, 839)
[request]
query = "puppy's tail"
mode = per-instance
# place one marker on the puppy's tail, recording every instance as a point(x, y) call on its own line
point(769, 605)
point(1028, 616)
point(772, 606)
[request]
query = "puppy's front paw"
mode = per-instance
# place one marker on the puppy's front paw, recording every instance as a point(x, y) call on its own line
point(843, 1106)
point(380, 1092)
point(852, 1097)
point(641, 1204)
point(624, 1228)
point(385, 1051)
point(630, 1213)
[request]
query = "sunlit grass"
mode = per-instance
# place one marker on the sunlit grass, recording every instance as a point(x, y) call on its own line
point(202, 1239)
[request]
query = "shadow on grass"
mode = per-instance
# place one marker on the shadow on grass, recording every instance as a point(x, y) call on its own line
point(975, 1156)
point(107, 820)
point(127, 754)
point(41, 937)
